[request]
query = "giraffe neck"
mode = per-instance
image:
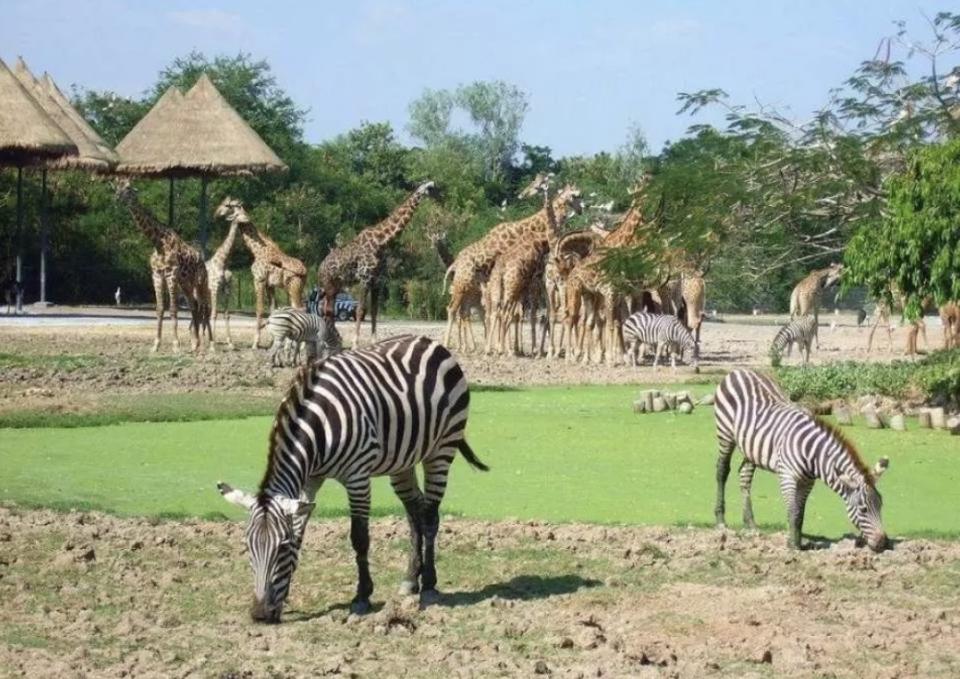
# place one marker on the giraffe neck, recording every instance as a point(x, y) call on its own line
point(146, 222)
point(553, 224)
point(625, 229)
point(220, 256)
point(443, 251)
point(390, 228)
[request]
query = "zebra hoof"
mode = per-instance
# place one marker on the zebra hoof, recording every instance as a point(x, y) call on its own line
point(429, 597)
point(358, 607)
point(408, 588)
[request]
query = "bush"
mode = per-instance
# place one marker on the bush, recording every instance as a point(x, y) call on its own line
point(935, 378)
point(425, 300)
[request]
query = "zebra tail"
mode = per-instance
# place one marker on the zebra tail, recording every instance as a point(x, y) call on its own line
point(471, 457)
point(446, 275)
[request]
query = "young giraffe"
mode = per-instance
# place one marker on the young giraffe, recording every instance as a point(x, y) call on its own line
point(472, 266)
point(439, 241)
point(272, 268)
point(220, 280)
point(174, 264)
point(360, 262)
point(805, 298)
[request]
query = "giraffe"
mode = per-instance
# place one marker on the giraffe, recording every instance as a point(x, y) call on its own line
point(175, 265)
point(272, 268)
point(587, 283)
point(439, 241)
point(693, 292)
point(360, 262)
point(917, 327)
point(220, 280)
point(471, 268)
point(805, 298)
point(514, 282)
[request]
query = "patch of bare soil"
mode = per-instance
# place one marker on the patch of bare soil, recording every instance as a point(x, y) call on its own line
point(56, 367)
point(93, 595)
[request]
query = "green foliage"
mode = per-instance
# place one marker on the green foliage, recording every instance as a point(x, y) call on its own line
point(936, 379)
point(916, 246)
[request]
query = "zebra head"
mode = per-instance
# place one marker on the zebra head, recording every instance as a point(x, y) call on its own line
point(273, 536)
point(864, 503)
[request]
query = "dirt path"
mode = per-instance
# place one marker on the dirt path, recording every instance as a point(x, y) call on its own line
point(93, 595)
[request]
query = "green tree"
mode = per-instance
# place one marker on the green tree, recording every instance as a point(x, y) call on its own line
point(916, 245)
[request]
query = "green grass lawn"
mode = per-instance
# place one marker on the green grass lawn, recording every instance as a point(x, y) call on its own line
point(558, 454)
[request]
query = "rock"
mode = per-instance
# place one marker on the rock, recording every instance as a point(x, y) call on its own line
point(953, 425)
point(924, 420)
point(685, 407)
point(639, 407)
point(938, 418)
point(872, 418)
point(671, 401)
point(844, 418)
point(659, 405)
point(766, 657)
point(897, 422)
point(566, 642)
point(707, 400)
point(648, 397)
point(540, 667)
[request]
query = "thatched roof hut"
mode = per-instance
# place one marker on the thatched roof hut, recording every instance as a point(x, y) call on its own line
point(198, 134)
point(93, 154)
point(28, 134)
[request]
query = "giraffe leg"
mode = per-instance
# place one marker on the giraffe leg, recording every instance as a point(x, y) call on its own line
point(158, 284)
point(260, 291)
point(374, 295)
point(226, 313)
point(361, 314)
point(173, 291)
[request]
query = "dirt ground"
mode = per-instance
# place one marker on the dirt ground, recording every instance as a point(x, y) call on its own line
point(65, 354)
point(93, 595)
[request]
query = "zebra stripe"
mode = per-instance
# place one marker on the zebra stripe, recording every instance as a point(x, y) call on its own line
point(800, 331)
point(359, 414)
point(752, 413)
point(292, 328)
point(663, 330)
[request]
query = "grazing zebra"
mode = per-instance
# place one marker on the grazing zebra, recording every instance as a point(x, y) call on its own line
point(753, 413)
point(664, 330)
point(359, 414)
point(800, 331)
point(294, 327)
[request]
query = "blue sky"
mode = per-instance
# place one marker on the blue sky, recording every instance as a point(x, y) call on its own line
point(591, 69)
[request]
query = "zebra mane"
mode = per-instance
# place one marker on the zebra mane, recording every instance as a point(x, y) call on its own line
point(294, 392)
point(848, 446)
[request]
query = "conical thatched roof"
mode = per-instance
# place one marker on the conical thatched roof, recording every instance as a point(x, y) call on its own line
point(27, 133)
point(192, 135)
point(91, 154)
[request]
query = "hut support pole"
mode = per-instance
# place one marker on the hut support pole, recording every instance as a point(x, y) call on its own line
point(203, 216)
point(19, 290)
point(44, 237)
point(170, 206)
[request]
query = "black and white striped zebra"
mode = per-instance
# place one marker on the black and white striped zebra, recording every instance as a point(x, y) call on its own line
point(800, 331)
point(663, 330)
point(752, 413)
point(358, 414)
point(293, 328)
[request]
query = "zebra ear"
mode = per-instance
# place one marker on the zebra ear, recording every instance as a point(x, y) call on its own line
point(848, 481)
point(235, 496)
point(296, 507)
point(882, 464)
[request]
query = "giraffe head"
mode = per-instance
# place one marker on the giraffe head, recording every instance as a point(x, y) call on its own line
point(427, 188)
point(540, 183)
point(123, 187)
point(232, 210)
point(834, 272)
point(570, 199)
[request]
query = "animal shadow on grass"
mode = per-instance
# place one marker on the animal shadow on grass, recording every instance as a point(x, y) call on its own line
point(818, 542)
point(522, 588)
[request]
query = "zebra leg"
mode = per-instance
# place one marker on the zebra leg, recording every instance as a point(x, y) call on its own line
point(434, 485)
point(723, 472)
point(358, 492)
point(405, 486)
point(795, 492)
point(747, 468)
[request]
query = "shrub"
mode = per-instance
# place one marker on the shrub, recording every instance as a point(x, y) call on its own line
point(935, 378)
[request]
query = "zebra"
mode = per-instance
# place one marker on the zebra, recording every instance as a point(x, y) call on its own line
point(774, 434)
point(664, 330)
point(358, 414)
point(292, 328)
point(800, 331)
